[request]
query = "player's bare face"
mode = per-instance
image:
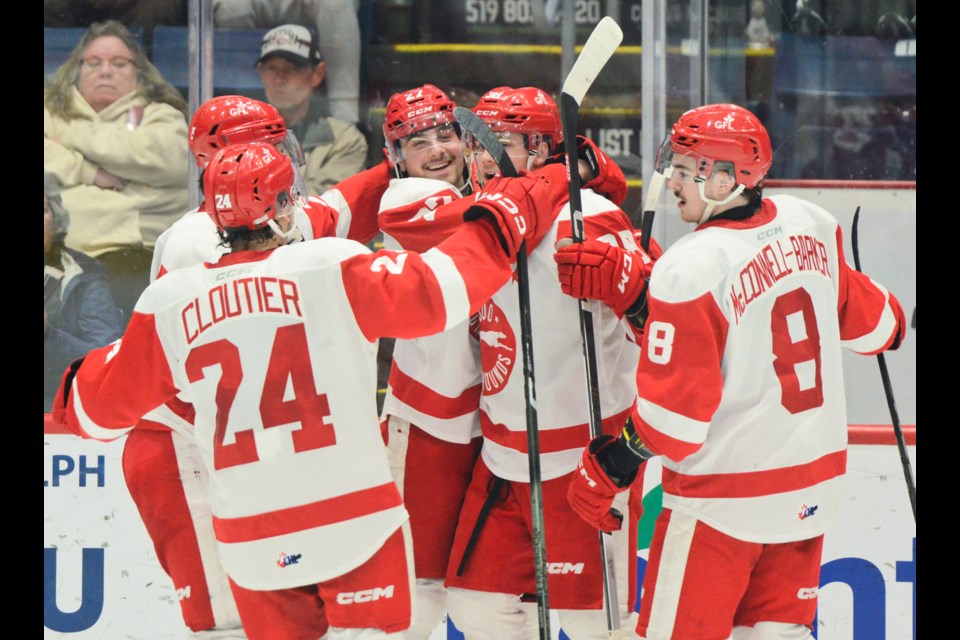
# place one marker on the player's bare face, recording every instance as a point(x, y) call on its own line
point(434, 153)
point(686, 188)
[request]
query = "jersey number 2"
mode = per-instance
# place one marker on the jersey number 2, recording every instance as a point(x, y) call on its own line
point(289, 360)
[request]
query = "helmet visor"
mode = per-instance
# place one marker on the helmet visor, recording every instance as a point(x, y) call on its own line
point(291, 148)
point(424, 141)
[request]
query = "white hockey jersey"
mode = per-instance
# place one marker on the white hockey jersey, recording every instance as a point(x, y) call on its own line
point(563, 415)
point(277, 353)
point(741, 381)
point(434, 381)
point(347, 210)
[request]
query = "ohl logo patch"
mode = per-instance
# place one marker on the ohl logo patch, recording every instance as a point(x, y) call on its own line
point(498, 347)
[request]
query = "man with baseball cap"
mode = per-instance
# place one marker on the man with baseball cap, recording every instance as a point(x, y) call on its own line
point(292, 70)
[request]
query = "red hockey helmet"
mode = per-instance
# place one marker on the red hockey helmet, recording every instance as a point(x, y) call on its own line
point(415, 110)
point(527, 110)
point(721, 137)
point(227, 120)
point(245, 185)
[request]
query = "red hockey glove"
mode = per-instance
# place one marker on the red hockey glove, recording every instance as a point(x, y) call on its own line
point(591, 491)
point(596, 270)
point(522, 208)
point(608, 179)
point(59, 410)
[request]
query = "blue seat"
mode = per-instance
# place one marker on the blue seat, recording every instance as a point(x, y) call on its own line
point(235, 51)
point(59, 43)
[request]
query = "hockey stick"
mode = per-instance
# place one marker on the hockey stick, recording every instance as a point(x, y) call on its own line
point(657, 180)
point(597, 50)
point(888, 390)
point(472, 124)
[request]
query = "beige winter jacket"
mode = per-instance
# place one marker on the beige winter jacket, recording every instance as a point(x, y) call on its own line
point(153, 156)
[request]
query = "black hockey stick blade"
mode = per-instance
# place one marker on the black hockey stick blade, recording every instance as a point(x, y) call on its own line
point(472, 124)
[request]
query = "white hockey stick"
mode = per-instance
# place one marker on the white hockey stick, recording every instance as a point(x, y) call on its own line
point(598, 49)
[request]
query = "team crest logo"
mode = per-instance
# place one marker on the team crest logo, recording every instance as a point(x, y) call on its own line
point(498, 347)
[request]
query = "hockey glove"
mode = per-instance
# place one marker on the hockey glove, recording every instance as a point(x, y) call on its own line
point(591, 490)
point(59, 410)
point(596, 270)
point(522, 208)
point(608, 179)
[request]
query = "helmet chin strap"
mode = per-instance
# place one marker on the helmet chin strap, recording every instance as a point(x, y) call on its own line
point(290, 237)
point(713, 204)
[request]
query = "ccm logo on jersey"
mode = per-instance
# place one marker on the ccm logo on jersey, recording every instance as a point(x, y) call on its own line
point(365, 595)
point(564, 568)
point(807, 593)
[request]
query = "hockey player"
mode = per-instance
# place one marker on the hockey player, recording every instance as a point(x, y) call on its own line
point(740, 388)
point(162, 468)
point(430, 410)
point(491, 576)
point(274, 345)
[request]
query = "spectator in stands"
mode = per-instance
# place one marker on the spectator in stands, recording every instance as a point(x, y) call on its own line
point(78, 311)
point(339, 40)
point(292, 70)
point(131, 13)
point(115, 137)
point(758, 32)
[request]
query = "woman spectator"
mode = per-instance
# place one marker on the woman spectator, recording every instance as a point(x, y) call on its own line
point(115, 136)
point(78, 311)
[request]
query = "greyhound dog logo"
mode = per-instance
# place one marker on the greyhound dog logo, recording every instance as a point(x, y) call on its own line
point(498, 347)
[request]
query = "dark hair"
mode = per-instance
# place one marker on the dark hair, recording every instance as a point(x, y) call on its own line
point(58, 91)
point(241, 238)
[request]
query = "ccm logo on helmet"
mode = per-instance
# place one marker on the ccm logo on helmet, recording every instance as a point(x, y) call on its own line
point(416, 112)
point(365, 595)
point(485, 112)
